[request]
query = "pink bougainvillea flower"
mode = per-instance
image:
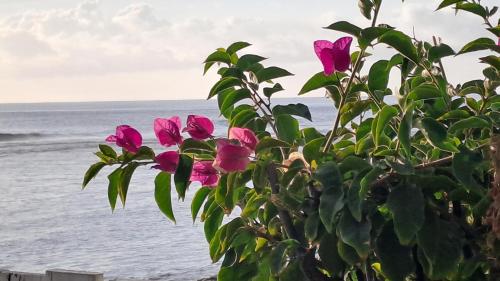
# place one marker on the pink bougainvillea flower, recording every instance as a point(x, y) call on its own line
point(245, 136)
point(127, 137)
point(167, 161)
point(231, 157)
point(199, 127)
point(168, 131)
point(205, 173)
point(334, 56)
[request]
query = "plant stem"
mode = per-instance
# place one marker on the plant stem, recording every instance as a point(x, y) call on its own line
point(344, 92)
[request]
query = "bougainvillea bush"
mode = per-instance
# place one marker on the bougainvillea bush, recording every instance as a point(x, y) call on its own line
point(407, 190)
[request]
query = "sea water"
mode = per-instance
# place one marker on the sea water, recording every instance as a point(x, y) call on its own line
point(47, 221)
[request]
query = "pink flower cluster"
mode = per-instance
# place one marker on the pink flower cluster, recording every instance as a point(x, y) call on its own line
point(233, 153)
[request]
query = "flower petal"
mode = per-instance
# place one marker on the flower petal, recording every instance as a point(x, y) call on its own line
point(199, 127)
point(205, 173)
point(231, 157)
point(323, 49)
point(167, 161)
point(341, 55)
point(245, 136)
point(167, 131)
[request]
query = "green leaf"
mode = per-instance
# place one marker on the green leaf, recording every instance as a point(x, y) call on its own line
point(278, 254)
point(92, 173)
point(270, 73)
point(162, 194)
point(473, 8)
point(269, 142)
point(355, 234)
point(348, 253)
point(440, 51)
point(424, 92)
point(378, 77)
point(268, 91)
point(234, 97)
point(436, 134)
point(246, 61)
point(125, 180)
point(492, 60)
point(331, 200)
point(329, 254)
point(218, 56)
point(222, 85)
point(319, 80)
point(447, 3)
point(288, 128)
point(371, 33)
point(407, 205)
point(469, 123)
point(243, 118)
point(199, 197)
point(401, 42)
point(212, 222)
point(346, 27)
point(311, 226)
point(236, 46)
point(297, 109)
point(384, 118)
point(366, 6)
point(464, 163)
point(182, 175)
point(114, 181)
point(404, 132)
point(441, 244)
point(352, 110)
point(396, 260)
point(312, 149)
point(108, 151)
point(193, 146)
point(478, 45)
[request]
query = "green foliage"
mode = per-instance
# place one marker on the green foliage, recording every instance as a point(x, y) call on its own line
point(393, 191)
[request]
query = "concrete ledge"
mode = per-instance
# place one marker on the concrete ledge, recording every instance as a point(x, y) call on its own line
point(68, 275)
point(6, 275)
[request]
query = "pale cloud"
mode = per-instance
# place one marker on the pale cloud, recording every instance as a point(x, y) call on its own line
point(109, 50)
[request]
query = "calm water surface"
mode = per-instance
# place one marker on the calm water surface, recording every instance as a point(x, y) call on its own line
point(47, 221)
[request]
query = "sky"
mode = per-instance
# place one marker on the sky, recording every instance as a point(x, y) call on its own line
point(103, 50)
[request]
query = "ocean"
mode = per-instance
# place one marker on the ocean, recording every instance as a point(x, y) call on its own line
point(47, 221)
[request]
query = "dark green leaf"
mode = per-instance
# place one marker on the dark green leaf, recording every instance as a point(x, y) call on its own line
point(436, 134)
point(472, 8)
point(125, 180)
point(243, 118)
point(182, 175)
point(236, 46)
point(234, 97)
point(332, 196)
point(371, 33)
point(404, 132)
point(469, 123)
point(478, 45)
point(440, 51)
point(463, 166)
point(329, 254)
point(246, 61)
point(108, 151)
point(92, 172)
point(355, 234)
point(365, 6)
point(312, 149)
point(319, 80)
point(297, 109)
point(384, 118)
point(212, 222)
point(114, 183)
point(407, 205)
point(492, 60)
point(268, 92)
point(424, 92)
point(278, 255)
point(447, 3)
point(163, 196)
point(378, 77)
point(270, 73)
point(288, 128)
point(346, 27)
point(218, 56)
point(401, 42)
point(396, 260)
point(441, 246)
point(198, 199)
point(269, 142)
point(311, 226)
point(222, 85)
